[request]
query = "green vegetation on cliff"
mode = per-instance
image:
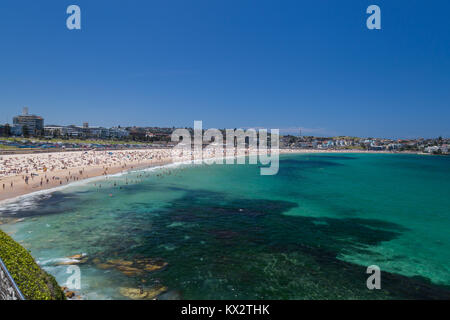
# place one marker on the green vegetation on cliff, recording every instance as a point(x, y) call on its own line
point(33, 282)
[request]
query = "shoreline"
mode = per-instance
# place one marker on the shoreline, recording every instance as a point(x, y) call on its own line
point(39, 179)
point(14, 187)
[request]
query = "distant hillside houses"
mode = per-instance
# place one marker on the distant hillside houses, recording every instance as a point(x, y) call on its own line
point(438, 145)
point(32, 126)
point(85, 132)
point(442, 149)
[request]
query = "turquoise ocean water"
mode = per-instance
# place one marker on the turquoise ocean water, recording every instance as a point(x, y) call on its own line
point(227, 232)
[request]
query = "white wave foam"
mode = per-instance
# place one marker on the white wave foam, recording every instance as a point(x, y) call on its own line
point(59, 261)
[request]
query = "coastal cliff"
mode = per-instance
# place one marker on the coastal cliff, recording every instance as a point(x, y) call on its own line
point(33, 282)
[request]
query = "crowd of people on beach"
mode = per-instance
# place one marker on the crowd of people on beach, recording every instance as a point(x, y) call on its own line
point(43, 170)
point(31, 164)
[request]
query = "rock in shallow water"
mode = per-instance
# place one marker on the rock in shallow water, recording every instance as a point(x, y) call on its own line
point(120, 262)
point(141, 294)
point(132, 268)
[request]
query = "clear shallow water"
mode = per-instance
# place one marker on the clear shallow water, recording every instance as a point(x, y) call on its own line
point(228, 233)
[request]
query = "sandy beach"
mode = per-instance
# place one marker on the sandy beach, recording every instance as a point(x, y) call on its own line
point(22, 174)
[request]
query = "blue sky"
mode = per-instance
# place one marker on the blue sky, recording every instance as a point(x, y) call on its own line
point(231, 63)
